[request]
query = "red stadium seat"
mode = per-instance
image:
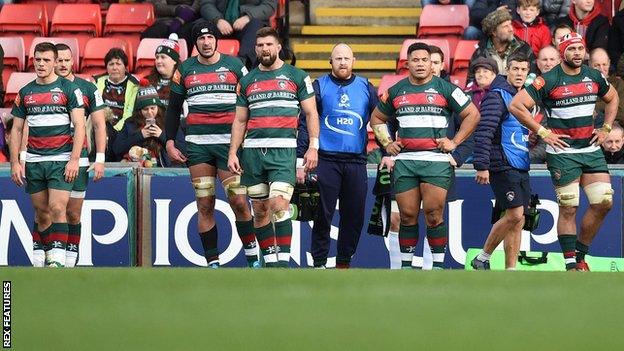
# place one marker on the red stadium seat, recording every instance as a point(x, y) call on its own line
point(14, 54)
point(442, 20)
point(460, 79)
point(224, 46)
point(146, 52)
point(463, 53)
point(49, 5)
point(71, 42)
point(129, 18)
point(387, 81)
point(25, 20)
point(441, 43)
point(86, 77)
point(15, 83)
point(77, 18)
point(95, 51)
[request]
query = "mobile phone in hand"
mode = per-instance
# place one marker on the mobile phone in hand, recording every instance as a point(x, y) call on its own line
point(150, 121)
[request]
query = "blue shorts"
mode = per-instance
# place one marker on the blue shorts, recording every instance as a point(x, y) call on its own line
point(511, 188)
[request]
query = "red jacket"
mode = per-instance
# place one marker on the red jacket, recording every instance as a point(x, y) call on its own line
point(536, 34)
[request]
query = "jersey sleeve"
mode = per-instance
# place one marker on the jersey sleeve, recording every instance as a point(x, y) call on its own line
point(177, 82)
point(385, 104)
point(537, 90)
point(603, 84)
point(96, 102)
point(240, 69)
point(19, 110)
point(305, 89)
point(458, 100)
point(74, 97)
point(241, 97)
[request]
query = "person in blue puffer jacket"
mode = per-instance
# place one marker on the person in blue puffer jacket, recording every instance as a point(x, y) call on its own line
point(501, 158)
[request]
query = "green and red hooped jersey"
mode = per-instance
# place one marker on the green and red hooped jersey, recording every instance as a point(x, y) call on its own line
point(92, 102)
point(570, 102)
point(273, 100)
point(210, 92)
point(47, 108)
point(423, 112)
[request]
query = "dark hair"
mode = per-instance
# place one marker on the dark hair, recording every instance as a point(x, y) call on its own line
point(267, 32)
point(62, 46)
point(46, 46)
point(518, 57)
point(560, 26)
point(418, 46)
point(153, 144)
point(116, 53)
point(436, 50)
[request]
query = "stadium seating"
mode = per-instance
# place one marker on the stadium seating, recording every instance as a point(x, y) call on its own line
point(443, 20)
point(25, 20)
point(49, 5)
point(127, 21)
point(15, 83)
point(81, 21)
point(463, 53)
point(460, 79)
point(71, 42)
point(441, 43)
point(96, 49)
point(147, 49)
point(224, 46)
point(388, 81)
point(14, 54)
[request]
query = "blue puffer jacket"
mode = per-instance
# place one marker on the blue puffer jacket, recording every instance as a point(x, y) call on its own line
point(488, 151)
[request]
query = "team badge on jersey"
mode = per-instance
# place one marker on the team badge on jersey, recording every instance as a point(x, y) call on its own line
point(430, 98)
point(222, 77)
point(589, 87)
point(281, 84)
point(538, 83)
point(56, 98)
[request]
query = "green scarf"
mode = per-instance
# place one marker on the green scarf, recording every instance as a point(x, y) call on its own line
point(232, 12)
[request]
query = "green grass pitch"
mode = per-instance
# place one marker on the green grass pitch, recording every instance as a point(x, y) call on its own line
point(241, 309)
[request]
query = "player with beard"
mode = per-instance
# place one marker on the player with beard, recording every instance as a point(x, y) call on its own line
point(422, 104)
point(569, 92)
point(267, 113)
point(208, 84)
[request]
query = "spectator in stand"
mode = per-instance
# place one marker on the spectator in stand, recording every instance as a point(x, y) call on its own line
point(484, 70)
point(173, 16)
point(240, 19)
point(479, 10)
point(612, 146)
point(559, 32)
point(501, 42)
point(547, 59)
point(5, 136)
point(530, 27)
point(599, 59)
point(167, 60)
point(117, 86)
point(616, 35)
point(118, 89)
point(144, 129)
point(552, 10)
point(586, 19)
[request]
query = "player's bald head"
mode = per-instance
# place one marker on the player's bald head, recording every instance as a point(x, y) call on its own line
point(342, 49)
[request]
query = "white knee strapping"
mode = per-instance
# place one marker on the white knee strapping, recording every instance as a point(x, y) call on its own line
point(204, 186)
point(568, 195)
point(233, 187)
point(258, 191)
point(394, 206)
point(599, 193)
point(77, 194)
point(282, 189)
